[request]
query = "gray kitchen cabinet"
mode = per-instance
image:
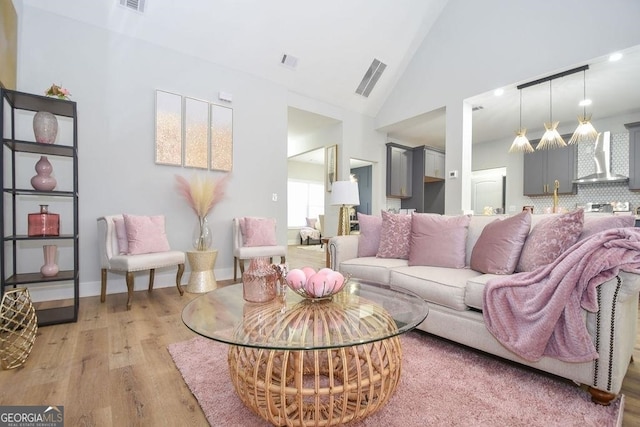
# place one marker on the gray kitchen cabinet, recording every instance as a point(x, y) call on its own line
point(433, 164)
point(542, 168)
point(634, 155)
point(399, 169)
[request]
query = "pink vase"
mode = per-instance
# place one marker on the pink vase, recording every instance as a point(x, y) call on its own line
point(259, 282)
point(43, 181)
point(45, 127)
point(50, 268)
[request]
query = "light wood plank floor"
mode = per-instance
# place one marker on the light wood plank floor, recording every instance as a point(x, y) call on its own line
point(112, 367)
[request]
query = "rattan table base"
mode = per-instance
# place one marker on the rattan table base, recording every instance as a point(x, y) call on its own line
point(316, 387)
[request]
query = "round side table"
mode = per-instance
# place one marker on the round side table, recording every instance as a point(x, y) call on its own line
point(202, 278)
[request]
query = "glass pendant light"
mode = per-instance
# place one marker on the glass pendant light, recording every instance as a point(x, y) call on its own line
point(521, 144)
point(585, 132)
point(551, 138)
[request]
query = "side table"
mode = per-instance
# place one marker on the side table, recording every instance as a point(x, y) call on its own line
point(202, 278)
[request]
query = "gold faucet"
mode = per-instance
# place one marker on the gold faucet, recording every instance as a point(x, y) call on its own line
point(556, 185)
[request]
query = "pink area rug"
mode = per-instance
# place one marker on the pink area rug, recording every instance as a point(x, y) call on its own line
point(442, 384)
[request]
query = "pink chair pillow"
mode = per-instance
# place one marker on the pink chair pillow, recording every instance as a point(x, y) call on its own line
point(370, 229)
point(394, 236)
point(121, 235)
point(498, 248)
point(549, 239)
point(596, 225)
point(438, 241)
point(259, 232)
point(145, 234)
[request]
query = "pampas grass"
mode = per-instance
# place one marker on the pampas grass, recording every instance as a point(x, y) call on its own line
point(202, 193)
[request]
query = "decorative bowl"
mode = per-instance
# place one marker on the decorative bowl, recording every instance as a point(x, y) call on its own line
point(313, 285)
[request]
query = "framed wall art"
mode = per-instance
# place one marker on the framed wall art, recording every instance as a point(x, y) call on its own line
point(168, 128)
point(331, 166)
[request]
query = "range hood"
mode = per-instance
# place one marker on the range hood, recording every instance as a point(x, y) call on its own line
point(602, 159)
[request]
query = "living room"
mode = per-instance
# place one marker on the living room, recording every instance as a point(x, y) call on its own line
point(101, 54)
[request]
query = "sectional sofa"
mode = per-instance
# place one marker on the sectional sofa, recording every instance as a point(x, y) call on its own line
point(449, 266)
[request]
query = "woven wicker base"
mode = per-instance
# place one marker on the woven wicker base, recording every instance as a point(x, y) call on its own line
point(316, 387)
point(18, 327)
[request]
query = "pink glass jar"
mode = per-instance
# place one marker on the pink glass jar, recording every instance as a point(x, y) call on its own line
point(43, 223)
point(259, 282)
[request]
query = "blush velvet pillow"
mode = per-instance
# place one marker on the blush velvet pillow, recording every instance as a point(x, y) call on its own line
point(549, 239)
point(259, 231)
point(438, 241)
point(596, 225)
point(394, 236)
point(145, 234)
point(370, 229)
point(498, 248)
point(121, 235)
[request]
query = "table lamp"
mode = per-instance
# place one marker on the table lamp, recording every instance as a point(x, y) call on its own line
point(344, 194)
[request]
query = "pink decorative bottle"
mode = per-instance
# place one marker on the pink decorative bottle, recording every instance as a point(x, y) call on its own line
point(259, 281)
point(50, 268)
point(43, 223)
point(43, 181)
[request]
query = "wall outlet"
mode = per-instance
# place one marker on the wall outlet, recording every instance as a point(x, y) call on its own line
point(453, 174)
point(274, 197)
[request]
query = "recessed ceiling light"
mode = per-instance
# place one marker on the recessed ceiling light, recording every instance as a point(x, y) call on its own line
point(585, 102)
point(615, 57)
point(498, 92)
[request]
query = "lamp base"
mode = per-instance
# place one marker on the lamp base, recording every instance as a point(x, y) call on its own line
point(344, 226)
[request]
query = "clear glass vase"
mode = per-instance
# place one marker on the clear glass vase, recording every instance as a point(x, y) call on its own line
point(202, 237)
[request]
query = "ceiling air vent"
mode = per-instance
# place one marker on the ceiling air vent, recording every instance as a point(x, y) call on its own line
point(289, 61)
point(371, 78)
point(137, 5)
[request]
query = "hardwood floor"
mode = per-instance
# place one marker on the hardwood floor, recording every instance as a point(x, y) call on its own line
point(112, 367)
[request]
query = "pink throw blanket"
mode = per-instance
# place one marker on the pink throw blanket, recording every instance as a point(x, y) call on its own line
point(538, 313)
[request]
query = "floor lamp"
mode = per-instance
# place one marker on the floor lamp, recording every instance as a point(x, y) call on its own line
point(344, 194)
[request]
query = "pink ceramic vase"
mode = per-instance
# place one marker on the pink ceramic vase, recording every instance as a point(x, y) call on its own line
point(43, 181)
point(45, 127)
point(50, 268)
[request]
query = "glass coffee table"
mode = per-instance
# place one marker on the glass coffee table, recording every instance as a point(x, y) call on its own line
point(308, 363)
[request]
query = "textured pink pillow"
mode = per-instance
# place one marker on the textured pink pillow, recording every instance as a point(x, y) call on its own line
point(498, 248)
point(596, 225)
point(121, 234)
point(312, 222)
point(549, 239)
point(145, 234)
point(370, 229)
point(259, 231)
point(395, 235)
point(438, 240)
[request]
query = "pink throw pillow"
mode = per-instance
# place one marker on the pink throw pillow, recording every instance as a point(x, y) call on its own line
point(370, 229)
point(145, 234)
point(596, 225)
point(498, 248)
point(121, 235)
point(549, 239)
point(259, 232)
point(438, 240)
point(312, 222)
point(395, 235)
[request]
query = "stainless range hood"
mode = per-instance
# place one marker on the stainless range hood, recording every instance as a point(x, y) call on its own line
point(602, 159)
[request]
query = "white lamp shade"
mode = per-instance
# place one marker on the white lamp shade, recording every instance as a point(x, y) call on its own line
point(345, 193)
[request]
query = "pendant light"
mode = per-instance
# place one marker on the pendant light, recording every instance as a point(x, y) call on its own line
point(551, 138)
point(585, 132)
point(521, 144)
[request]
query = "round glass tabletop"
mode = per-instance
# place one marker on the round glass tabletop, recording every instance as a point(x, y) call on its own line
point(359, 314)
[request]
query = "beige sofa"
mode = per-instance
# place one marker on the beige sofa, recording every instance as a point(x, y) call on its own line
point(455, 309)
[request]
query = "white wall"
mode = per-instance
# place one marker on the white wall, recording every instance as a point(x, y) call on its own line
point(113, 79)
point(476, 46)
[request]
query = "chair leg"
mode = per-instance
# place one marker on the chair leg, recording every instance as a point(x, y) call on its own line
point(235, 268)
point(241, 262)
point(179, 278)
point(283, 259)
point(103, 285)
point(129, 289)
point(152, 276)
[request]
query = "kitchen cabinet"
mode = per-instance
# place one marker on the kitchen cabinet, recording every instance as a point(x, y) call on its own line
point(634, 155)
point(21, 253)
point(428, 192)
point(543, 167)
point(433, 165)
point(399, 170)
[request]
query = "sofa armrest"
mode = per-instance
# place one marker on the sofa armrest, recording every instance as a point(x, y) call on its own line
point(342, 248)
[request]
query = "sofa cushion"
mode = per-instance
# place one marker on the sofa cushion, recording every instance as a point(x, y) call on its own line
point(476, 225)
point(474, 293)
point(395, 236)
point(594, 225)
point(370, 228)
point(439, 285)
point(549, 239)
point(145, 234)
point(497, 251)
point(371, 269)
point(438, 240)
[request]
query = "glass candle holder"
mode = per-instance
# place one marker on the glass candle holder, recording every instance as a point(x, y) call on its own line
point(43, 223)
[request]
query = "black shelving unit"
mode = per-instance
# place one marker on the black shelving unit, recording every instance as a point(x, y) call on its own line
point(12, 102)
